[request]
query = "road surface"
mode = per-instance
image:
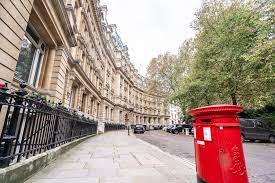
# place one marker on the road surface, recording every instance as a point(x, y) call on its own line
point(260, 157)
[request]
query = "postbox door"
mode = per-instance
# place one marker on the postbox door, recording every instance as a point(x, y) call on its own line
point(207, 153)
point(231, 159)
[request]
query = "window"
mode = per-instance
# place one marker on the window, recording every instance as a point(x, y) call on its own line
point(72, 97)
point(247, 123)
point(92, 106)
point(111, 115)
point(120, 116)
point(69, 3)
point(260, 124)
point(106, 113)
point(97, 110)
point(30, 58)
point(83, 105)
point(107, 93)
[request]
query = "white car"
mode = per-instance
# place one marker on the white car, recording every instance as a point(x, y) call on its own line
point(164, 128)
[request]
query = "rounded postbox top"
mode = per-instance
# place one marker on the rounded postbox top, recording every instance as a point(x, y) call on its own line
point(216, 109)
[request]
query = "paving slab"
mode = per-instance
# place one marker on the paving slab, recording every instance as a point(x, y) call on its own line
point(115, 157)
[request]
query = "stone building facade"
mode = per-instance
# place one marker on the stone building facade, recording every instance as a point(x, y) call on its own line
point(67, 50)
point(175, 114)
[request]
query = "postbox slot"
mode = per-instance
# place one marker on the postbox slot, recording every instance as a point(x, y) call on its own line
point(206, 120)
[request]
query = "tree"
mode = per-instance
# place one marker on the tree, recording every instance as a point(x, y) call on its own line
point(166, 71)
point(162, 74)
point(233, 61)
point(152, 78)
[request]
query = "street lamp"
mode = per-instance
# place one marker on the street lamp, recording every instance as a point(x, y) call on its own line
point(131, 109)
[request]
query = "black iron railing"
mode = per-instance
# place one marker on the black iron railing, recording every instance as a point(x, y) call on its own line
point(114, 126)
point(31, 126)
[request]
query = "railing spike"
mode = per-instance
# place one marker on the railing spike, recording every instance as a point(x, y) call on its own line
point(21, 91)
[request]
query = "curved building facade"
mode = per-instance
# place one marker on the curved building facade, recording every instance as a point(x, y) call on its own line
point(67, 51)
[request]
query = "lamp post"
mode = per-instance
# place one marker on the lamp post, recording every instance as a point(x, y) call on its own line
point(131, 109)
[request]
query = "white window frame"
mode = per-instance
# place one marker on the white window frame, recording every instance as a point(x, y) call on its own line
point(35, 60)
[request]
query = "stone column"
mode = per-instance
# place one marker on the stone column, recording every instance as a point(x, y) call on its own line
point(97, 110)
point(57, 82)
point(100, 118)
point(92, 106)
point(46, 84)
point(112, 114)
point(122, 88)
point(95, 107)
point(117, 85)
point(138, 120)
point(89, 104)
point(116, 115)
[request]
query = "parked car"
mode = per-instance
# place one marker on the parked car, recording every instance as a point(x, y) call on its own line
point(176, 129)
point(189, 127)
point(169, 127)
point(133, 126)
point(139, 129)
point(166, 128)
point(151, 127)
point(157, 127)
point(253, 129)
point(144, 126)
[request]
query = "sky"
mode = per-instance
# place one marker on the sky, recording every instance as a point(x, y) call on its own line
point(152, 27)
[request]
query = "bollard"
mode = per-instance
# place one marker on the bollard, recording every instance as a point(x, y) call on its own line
point(218, 146)
point(128, 130)
point(186, 131)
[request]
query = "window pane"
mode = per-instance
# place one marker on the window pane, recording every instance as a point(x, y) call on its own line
point(32, 34)
point(25, 59)
point(259, 124)
point(37, 69)
point(247, 123)
point(250, 123)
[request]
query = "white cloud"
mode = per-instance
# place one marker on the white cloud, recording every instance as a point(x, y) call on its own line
point(152, 27)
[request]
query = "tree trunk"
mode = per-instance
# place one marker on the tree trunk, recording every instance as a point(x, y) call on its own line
point(234, 99)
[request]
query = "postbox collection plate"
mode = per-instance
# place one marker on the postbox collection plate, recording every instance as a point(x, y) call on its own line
point(207, 134)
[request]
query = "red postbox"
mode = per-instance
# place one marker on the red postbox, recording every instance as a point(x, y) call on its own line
point(218, 146)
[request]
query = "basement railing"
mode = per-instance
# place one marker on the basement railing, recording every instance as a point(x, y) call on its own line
point(114, 126)
point(30, 126)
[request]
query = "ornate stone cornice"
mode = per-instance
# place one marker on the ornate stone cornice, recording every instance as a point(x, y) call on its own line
point(64, 19)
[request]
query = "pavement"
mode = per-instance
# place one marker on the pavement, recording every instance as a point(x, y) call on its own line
point(115, 157)
point(259, 157)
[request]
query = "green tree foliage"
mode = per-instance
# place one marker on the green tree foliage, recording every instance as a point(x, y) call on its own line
point(161, 74)
point(232, 57)
point(165, 72)
point(152, 78)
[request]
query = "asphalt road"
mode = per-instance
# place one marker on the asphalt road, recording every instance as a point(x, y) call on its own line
point(260, 157)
